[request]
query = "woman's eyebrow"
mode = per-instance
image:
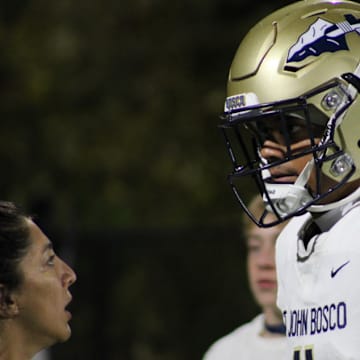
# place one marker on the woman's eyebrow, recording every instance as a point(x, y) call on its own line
point(48, 246)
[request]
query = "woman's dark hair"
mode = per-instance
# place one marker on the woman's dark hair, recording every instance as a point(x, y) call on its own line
point(14, 242)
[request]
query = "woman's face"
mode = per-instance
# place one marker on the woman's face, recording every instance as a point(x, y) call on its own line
point(43, 294)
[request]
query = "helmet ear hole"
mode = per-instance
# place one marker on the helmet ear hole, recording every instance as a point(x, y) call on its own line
point(358, 143)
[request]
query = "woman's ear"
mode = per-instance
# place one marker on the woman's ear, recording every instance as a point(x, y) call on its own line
point(8, 304)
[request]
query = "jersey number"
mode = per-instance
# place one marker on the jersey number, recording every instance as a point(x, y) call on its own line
point(307, 351)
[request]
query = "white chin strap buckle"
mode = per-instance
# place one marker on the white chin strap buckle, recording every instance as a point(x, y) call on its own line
point(287, 198)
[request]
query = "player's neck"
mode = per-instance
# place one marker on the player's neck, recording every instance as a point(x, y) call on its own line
point(272, 315)
point(273, 322)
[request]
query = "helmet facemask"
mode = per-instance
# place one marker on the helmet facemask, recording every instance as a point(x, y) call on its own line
point(302, 131)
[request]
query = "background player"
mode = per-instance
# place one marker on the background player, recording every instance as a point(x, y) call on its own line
point(263, 337)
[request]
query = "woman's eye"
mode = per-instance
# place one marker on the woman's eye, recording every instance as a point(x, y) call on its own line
point(51, 260)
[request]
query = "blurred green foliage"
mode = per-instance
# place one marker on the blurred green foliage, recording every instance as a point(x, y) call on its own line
point(109, 108)
point(109, 113)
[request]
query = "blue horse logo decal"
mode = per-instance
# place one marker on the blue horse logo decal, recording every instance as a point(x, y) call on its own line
point(323, 36)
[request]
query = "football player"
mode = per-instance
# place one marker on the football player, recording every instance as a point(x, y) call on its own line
point(292, 129)
point(262, 337)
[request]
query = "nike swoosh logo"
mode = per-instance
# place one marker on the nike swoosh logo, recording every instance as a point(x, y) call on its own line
point(334, 272)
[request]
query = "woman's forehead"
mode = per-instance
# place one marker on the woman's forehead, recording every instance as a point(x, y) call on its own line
point(38, 239)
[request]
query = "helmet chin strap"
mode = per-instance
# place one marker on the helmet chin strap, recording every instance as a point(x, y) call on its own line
point(336, 204)
point(287, 198)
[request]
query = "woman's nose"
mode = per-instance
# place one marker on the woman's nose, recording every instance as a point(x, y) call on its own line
point(69, 276)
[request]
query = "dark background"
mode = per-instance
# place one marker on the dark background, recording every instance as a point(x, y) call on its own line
point(109, 113)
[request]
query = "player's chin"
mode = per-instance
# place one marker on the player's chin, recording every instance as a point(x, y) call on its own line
point(267, 294)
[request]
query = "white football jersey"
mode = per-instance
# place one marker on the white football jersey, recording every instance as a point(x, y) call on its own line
point(319, 289)
point(246, 343)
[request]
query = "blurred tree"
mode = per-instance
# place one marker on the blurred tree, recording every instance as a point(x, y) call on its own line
point(109, 113)
point(109, 109)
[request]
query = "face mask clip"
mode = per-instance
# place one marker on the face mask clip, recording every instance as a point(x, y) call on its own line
point(352, 79)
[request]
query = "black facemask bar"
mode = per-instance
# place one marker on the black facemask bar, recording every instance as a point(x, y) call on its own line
point(290, 121)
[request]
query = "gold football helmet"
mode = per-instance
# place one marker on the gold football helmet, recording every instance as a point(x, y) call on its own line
point(299, 68)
